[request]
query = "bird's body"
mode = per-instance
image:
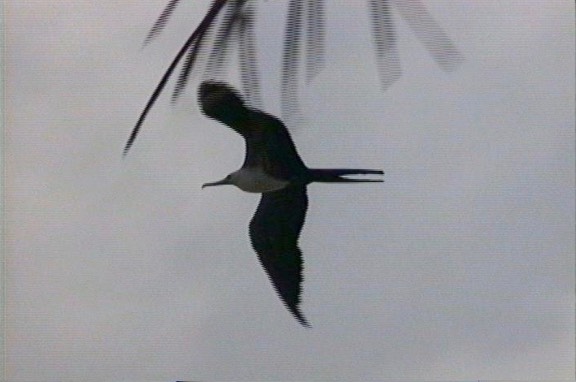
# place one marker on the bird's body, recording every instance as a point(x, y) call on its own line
point(272, 167)
point(254, 179)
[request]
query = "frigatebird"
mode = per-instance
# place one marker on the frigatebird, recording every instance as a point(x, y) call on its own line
point(273, 168)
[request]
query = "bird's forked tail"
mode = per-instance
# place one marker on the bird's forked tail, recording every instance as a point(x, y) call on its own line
point(335, 175)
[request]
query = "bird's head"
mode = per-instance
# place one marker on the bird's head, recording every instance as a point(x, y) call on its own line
point(220, 101)
point(230, 179)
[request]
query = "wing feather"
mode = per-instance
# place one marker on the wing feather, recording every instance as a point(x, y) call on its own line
point(274, 232)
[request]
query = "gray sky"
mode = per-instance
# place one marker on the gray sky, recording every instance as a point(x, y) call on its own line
point(459, 267)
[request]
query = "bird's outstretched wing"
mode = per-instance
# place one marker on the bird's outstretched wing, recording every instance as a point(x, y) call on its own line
point(274, 232)
point(270, 146)
point(268, 142)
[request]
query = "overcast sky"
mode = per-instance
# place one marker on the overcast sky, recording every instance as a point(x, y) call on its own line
point(459, 267)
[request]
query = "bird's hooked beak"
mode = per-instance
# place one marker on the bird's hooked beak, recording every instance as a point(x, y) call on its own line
point(218, 183)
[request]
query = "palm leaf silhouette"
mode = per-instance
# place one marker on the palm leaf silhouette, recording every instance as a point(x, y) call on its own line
point(232, 23)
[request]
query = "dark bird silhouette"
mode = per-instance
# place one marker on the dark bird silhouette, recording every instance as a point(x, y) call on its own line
point(273, 168)
point(229, 22)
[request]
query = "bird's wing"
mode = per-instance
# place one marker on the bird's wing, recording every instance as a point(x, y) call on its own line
point(274, 232)
point(269, 145)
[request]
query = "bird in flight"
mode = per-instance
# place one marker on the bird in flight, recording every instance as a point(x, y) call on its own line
point(273, 168)
point(230, 22)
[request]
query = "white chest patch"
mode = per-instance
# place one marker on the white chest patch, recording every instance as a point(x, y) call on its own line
point(254, 180)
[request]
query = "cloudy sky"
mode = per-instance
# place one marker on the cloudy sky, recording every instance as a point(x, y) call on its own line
point(459, 267)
